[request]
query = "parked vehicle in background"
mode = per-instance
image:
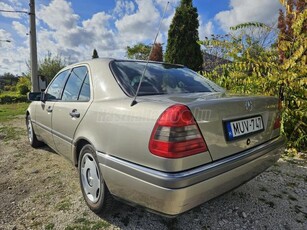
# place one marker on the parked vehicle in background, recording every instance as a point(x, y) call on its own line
point(184, 141)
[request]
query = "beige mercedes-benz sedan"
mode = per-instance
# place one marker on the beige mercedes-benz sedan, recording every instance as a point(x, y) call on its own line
point(158, 136)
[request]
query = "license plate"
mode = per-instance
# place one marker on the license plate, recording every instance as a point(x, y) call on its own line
point(240, 128)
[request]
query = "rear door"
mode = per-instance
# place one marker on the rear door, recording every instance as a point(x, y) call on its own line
point(68, 113)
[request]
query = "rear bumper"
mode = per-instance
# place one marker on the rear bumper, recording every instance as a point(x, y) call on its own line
point(174, 193)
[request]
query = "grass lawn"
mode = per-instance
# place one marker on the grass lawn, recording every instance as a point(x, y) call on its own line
point(9, 111)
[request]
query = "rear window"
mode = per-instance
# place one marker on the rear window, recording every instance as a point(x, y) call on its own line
point(160, 78)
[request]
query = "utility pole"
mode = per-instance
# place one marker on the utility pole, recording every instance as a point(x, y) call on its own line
point(33, 48)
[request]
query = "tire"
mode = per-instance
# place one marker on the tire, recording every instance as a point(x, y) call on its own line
point(31, 134)
point(94, 189)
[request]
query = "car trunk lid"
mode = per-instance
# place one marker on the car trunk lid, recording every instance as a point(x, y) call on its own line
point(229, 123)
point(233, 124)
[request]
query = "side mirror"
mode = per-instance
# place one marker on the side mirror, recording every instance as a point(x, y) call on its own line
point(34, 96)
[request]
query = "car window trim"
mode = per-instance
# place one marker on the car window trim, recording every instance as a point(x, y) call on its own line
point(55, 77)
point(117, 81)
point(86, 74)
point(70, 72)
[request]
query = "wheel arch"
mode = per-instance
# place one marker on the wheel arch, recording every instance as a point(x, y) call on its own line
point(77, 149)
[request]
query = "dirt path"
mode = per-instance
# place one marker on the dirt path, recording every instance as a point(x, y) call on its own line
point(40, 190)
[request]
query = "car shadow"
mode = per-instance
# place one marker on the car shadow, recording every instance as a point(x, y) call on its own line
point(126, 216)
point(47, 149)
point(258, 204)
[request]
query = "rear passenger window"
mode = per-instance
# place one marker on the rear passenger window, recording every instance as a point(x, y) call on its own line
point(75, 84)
point(85, 93)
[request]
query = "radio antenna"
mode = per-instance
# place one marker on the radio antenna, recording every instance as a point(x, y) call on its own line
point(145, 68)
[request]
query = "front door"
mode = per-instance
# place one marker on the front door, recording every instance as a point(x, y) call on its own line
point(43, 121)
point(44, 110)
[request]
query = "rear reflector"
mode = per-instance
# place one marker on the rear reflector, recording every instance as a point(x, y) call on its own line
point(176, 134)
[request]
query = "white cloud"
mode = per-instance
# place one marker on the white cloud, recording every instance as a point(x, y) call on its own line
point(16, 3)
point(20, 28)
point(140, 25)
point(124, 7)
point(248, 11)
point(205, 30)
point(4, 6)
point(58, 15)
point(12, 58)
point(97, 29)
point(61, 31)
point(5, 35)
point(97, 23)
point(73, 38)
point(172, 3)
point(46, 42)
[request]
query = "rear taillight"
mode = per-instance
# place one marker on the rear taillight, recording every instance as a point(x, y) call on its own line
point(176, 134)
point(277, 122)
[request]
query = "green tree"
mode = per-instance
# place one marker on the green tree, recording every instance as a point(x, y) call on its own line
point(250, 55)
point(156, 53)
point(257, 69)
point(7, 75)
point(8, 80)
point(51, 65)
point(182, 46)
point(139, 51)
point(292, 72)
point(95, 54)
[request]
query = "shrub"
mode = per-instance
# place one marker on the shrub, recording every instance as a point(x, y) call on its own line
point(23, 85)
point(264, 73)
point(5, 99)
point(23, 89)
point(7, 88)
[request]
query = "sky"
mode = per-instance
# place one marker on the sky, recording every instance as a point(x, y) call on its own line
point(73, 28)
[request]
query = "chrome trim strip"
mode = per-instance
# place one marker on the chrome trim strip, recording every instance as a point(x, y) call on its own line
point(42, 126)
point(186, 178)
point(56, 133)
point(63, 137)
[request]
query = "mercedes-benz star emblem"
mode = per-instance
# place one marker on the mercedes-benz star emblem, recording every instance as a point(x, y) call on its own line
point(249, 105)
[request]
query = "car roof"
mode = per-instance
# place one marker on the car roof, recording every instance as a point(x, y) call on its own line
point(90, 62)
point(102, 77)
point(107, 60)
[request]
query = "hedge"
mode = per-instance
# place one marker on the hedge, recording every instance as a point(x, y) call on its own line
point(5, 99)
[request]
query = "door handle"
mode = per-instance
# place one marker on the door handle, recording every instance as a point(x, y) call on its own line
point(49, 109)
point(74, 113)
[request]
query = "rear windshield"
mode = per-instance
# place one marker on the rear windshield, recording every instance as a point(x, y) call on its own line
point(160, 78)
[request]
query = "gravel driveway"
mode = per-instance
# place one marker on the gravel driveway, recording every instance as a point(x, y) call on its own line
point(40, 190)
